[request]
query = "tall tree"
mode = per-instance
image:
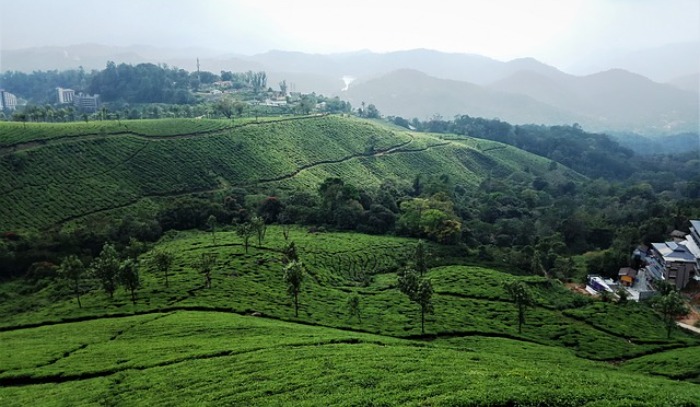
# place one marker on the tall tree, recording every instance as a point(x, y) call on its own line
point(294, 276)
point(671, 306)
point(419, 291)
point(106, 268)
point(72, 270)
point(129, 277)
point(522, 299)
point(420, 258)
point(245, 230)
point(205, 265)
point(163, 260)
point(211, 223)
point(424, 298)
point(259, 227)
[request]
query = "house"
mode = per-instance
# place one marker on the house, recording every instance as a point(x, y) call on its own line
point(627, 275)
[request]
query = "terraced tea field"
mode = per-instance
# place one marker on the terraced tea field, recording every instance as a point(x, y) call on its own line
point(49, 177)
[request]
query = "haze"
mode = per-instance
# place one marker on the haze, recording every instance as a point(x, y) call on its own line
point(560, 33)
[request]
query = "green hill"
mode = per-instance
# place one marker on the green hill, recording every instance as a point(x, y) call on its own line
point(52, 173)
point(186, 344)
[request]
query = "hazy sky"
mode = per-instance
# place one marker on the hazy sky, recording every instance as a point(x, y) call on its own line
point(554, 31)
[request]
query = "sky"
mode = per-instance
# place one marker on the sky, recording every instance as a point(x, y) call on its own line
point(557, 32)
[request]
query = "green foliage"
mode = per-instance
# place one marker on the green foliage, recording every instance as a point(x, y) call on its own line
point(73, 270)
point(163, 260)
point(417, 290)
point(293, 277)
point(129, 278)
point(670, 305)
point(205, 265)
point(106, 268)
point(420, 258)
point(522, 299)
point(245, 231)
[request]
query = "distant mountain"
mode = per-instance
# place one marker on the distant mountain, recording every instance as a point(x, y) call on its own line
point(661, 64)
point(423, 82)
point(410, 93)
point(612, 100)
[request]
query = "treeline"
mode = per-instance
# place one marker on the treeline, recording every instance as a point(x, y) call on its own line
point(591, 154)
point(126, 83)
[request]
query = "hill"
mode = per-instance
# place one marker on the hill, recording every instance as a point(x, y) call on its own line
point(53, 173)
point(185, 343)
point(611, 100)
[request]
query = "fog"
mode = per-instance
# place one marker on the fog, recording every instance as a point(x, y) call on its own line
point(572, 34)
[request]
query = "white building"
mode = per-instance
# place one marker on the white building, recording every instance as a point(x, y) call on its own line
point(677, 262)
point(7, 100)
point(86, 103)
point(65, 95)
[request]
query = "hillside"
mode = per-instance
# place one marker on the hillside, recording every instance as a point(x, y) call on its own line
point(187, 344)
point(53, 173)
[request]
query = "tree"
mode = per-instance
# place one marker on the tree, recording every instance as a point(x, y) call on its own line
point(245, 230)
point(372, 112)
point(129, 277)
point(290, 253)
point(354, 307)
point(106, 268)
point(73, 270)
point(211, 223)
point(520, 296)
point(283, 87)
point(163, 260)
point(205, 265)
point(417, 290)
point(420, 258)
point(671, 306)
point(259, 227)
point(294, 276)
point(424, 297)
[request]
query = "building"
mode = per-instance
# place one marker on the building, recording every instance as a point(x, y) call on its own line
point(86, 103)
point(8, 101)
point(65, 95)
point(677, 262)
point(627, 275)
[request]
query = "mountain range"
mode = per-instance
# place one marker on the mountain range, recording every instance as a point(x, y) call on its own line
point(422, 83)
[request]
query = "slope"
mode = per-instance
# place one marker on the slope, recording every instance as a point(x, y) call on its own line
point(54, 173)
point(221, 359)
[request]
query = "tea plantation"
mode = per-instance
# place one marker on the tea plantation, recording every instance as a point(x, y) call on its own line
point(239, 343)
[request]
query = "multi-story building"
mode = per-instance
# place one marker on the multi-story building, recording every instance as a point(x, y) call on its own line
point(86, 103)
point(7, 100)
point(677, 262)
point(65, 95)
